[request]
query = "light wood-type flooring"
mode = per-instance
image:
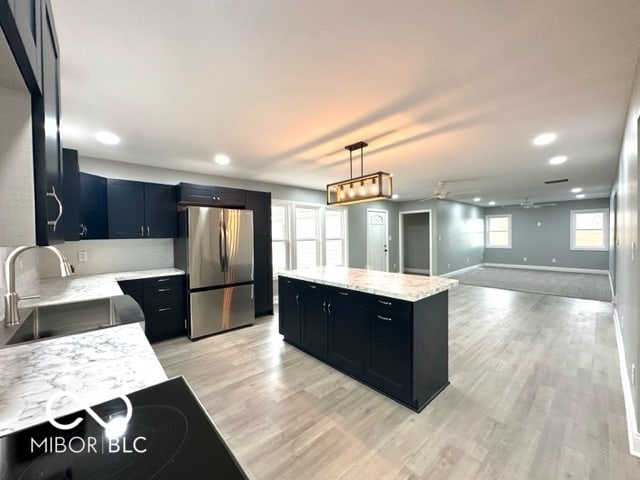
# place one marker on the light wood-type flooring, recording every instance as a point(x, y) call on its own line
point(535, 394)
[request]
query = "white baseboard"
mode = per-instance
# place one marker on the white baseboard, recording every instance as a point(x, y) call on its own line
point(417, 271)
point(632, 426)
point(462, 270)
point(552, 269)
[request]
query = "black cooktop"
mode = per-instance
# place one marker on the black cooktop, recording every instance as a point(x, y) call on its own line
point(169, 436)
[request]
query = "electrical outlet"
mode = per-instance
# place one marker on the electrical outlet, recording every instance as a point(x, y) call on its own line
point(467, 260)
point(448, 265)
point(83, 256)
point(539, 224)
point(553, 260)
point(439, 237)
point(524, 258)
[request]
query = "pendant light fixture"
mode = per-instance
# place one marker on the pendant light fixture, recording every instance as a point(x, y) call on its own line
point(365, 188)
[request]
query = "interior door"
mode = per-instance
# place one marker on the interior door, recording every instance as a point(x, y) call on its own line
point(377, 240)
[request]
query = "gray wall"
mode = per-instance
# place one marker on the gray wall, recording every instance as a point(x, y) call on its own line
point(358, 233)
point(415, 240)
point(626, 264)
point(458, 233)
point(551, 239)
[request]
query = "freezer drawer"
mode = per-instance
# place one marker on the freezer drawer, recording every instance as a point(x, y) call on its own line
point(213, 311)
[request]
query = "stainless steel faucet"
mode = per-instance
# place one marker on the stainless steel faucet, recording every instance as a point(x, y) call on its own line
point(11, 316)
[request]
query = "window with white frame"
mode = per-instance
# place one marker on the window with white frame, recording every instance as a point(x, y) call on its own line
point(334, 228)
point(307, 235)
point(279, 238)
point(498, 231)
point(307, 238)
point(589, 229)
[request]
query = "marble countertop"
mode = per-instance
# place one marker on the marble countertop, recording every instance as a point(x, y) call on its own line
point(81, 288)
point(395, 285)
point(98, 366)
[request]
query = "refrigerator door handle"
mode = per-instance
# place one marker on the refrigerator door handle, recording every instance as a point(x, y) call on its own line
point(220, 240)
point(226, 247)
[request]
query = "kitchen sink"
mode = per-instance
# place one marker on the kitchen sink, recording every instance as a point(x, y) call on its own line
point(70, 318)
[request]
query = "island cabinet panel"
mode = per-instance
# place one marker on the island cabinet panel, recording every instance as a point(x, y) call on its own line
point(397, 347)
point(388, 349)
point(290, 309)
point(313, 336)
point(346, 324)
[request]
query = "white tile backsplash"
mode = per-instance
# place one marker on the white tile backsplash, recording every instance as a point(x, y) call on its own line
point(107, 256)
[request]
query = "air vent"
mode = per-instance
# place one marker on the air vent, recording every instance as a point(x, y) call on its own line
point(560, 180)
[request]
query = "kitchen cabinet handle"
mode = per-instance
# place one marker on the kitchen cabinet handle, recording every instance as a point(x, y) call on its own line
point(164, 289)
point(54, 223)
point(163, 279)
point(344, 294)
point(86, 230)
point(313, 286)
point(142, 230)
point(383, 302)
point(148, 231)
point(169, 308)
point(297, 298)
point(329, 308)
point(386, 319)
point(81, 230)
point(324, 307)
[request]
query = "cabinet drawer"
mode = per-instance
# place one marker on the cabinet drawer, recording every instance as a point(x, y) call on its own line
point(163, 295)
point(387, 305)
point(163, 322)
point(163, 281)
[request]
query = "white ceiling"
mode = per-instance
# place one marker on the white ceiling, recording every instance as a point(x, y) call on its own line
point(441, 90)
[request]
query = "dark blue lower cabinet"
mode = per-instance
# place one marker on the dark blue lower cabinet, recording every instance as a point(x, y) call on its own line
point(397, 347)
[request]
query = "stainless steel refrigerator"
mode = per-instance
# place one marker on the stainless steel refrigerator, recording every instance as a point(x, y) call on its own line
point(215, 248)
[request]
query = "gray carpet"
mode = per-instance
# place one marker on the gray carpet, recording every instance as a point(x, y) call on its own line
point(563, 284)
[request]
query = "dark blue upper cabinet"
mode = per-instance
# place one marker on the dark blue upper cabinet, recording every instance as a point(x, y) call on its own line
point(71, 195)
point(93, 207)
point(125, 207)
point(47, 151)
point(160, 210)
point(141, 210)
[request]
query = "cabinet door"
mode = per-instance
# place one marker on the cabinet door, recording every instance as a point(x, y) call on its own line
point(93, 207)
point(27, 17)
point(229, 197)
point(289, 309)
point(160, 211)
point(125, 209)
point(388, 352)
point(71, 197)
point(164, 321)
point(346, 331)
point(263, 275)
point(47, 152)
point(134, 289)
point(314, 320)
point(260, 203)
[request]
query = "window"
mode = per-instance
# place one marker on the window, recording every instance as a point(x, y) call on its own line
point(279, 244)
point(306, 235)
point(589, 229)
point(334, 227)
point(498, 231)
point(306, 227)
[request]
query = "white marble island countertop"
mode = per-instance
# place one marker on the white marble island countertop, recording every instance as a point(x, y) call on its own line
point(81, 288)
point(98, 366)
point(410, 288)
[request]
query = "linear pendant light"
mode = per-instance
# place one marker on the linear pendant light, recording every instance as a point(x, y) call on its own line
point(365, 188)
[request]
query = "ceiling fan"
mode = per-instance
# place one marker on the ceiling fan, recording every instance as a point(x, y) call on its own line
point(441, 192)
point(526, 203)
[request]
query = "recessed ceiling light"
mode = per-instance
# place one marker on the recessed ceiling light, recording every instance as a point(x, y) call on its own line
point(545, 139)
point(394, 196)
point(576, 190)
point(557, 160)
point(477, 199)
point(580, 195)
point(222, 159)
point(492, 203)
point(108, 138)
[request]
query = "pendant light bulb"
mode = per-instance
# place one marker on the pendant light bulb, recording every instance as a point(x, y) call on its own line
point(351, 191)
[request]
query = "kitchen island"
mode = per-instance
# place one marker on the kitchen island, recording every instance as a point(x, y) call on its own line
point(387, 330)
